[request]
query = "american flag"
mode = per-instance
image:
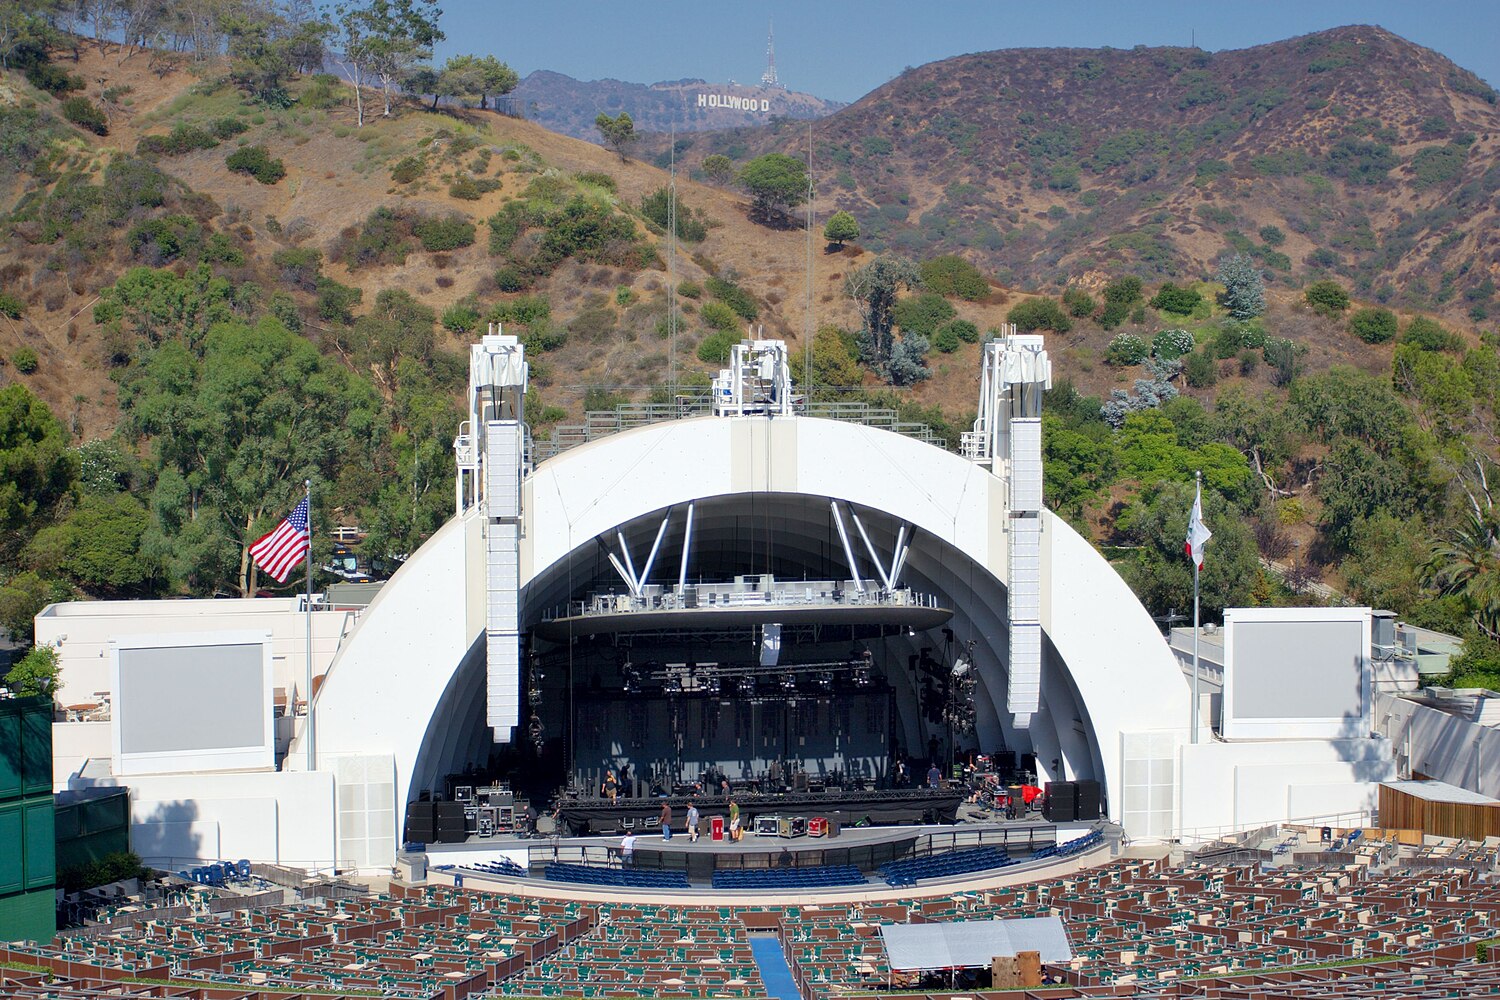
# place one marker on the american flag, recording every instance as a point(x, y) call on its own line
point(280, 551)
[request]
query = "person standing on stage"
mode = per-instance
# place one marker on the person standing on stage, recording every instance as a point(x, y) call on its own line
point(934, 777)
point(666, 821)
point(611, 786)
point(692, 822)
point(734, 820)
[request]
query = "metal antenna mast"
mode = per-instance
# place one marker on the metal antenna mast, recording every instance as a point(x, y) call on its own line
point(768, 78)
point(807, 313)
point(672, 268)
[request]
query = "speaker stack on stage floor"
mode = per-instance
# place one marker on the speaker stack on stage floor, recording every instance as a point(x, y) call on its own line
point(449, 823)
point(1061, 805)
point(419, 823)
point(1089, 804)
point(1072, 801)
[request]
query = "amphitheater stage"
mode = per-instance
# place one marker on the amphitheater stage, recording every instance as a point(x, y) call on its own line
point(867, 848)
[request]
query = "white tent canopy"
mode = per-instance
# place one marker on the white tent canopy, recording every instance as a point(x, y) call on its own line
point(970, 944)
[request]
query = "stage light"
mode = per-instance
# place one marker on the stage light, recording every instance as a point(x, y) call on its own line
point(788, 682)
point(747, 687)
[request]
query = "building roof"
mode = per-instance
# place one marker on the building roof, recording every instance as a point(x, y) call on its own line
point(971, 944)
point(1441, 791)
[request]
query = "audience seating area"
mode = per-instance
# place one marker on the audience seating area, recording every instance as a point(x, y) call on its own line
point(913, 870)
point(1230, 931)
point(620, 878)
point(1077, 845)
point(788, 878)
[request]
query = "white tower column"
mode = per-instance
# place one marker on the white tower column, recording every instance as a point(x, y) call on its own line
point(492, 464)
point(1007, 437)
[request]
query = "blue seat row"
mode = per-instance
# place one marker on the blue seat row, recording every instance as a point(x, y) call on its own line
point(504, 866)
point(912, 870)
point(624, 878)
point(787, 878)
point(218, 873)
point(1075, 846)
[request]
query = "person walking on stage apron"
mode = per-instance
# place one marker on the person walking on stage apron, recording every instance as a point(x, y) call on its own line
point(666, 821)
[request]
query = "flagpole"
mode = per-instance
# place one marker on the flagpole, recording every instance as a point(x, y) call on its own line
point(1197, 701)
point(312, 753)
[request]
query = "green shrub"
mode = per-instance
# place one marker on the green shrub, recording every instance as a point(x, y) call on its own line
point(384, 238)
point(323, 91)
point(408, 169)
point(165, 239)
point(964, 331)
point(1126, 290)
point(951, 275)
point(1171, 344)
point(220, 249)
point(460, 318)
point(1198, 369)
point(1373, 326)
point(11, 307)
point(227, 128)
point(714, 348)
point(599, 179)
point(301, 267)
point(336, 302)
point(53, 79)
point(733, 296)
point(690, 290)
point(1126, 350)
point(1429, 335)
point(509, 279)
point(1327, 298)
point(720, 317)
point(468, 188)
point(440, 234)
point(946, 340)
point(655, 207)
point(1078, 302)
point(25, 360)
point(544, 335)
point(1113, 314)
point(527, 310)
point(506, 226)
point(182, 139)
point(922, 314)
point(1039, 314)
point(1272, 236)
point(86, 115)
point(1178, 301)
point(256, 161)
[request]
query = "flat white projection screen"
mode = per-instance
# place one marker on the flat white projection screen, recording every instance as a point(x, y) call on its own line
point(1296, 673)
point(198, 702)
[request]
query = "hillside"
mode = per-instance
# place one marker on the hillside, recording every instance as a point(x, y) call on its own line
point(1350, 153)
point(204, 336)
point(563, 104)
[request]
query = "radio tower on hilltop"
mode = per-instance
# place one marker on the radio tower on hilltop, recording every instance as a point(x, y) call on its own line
point(768, 78)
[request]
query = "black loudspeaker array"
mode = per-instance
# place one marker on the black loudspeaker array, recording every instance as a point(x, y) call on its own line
point(419, 825)
point(448, 823)
point(1089, 804)
point(1062, 802)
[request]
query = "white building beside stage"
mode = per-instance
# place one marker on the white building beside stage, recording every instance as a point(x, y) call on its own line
point(195, 702)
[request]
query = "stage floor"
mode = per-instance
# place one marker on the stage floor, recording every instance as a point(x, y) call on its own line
point(1019, 835)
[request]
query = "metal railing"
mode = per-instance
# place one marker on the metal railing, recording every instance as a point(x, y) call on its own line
point(708, 597)
point(699, 403)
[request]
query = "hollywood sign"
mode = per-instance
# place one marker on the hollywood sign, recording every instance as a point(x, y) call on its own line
point(732, 102)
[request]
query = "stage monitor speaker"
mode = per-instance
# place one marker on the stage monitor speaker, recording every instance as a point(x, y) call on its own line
point(420, 833)
point(1089, 804)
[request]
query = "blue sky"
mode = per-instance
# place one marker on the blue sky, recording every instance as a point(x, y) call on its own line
point(843, 49)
